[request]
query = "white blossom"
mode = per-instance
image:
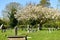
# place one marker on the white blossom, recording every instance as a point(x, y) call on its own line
point(32, 11)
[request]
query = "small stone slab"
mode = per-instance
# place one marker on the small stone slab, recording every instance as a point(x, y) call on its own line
point(17, 38)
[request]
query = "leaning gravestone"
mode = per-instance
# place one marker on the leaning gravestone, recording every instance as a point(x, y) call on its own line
point(17, 37)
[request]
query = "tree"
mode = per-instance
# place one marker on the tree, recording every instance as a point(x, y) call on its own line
point(45, 3)
point(10, 11)
point(13, 20)
point(38, 13)
point(58, 4)
point(1, 22)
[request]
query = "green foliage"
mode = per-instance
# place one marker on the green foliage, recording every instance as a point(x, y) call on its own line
point(22, 22)
point(58, 23)
point(9, 13)
point(32, 21)
point(50, 24)
point(13, 20)
point(45, 3)
point(12, 5)
point(1, 22)
point(58, 4)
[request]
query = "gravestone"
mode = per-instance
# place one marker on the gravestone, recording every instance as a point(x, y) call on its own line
point(16, 30)
point(38, 27)
point(17, 37)
point(28, 28)
point(3, 28)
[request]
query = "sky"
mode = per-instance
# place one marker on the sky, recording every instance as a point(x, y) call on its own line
point(3, 3)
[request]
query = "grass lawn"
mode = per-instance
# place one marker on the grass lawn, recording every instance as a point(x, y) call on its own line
point(40, 35)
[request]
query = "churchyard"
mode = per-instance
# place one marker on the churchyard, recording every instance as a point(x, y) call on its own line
point(38, 35)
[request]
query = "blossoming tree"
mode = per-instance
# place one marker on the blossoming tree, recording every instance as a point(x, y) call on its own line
point(38, 13)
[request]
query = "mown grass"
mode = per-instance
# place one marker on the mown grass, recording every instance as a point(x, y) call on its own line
point(45, 35)
point(39, 35)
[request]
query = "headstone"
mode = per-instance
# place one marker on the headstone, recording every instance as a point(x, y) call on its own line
point(38, 27)
point(28, 28)
point(16, 31)
point(3, 28)
point(17, 38)
point(49, 29)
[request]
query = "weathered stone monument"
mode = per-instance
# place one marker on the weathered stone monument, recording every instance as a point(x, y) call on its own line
point(3, 28)
point(16, 37)
point(28, 28)
point(16, 30)
point(38, 27)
